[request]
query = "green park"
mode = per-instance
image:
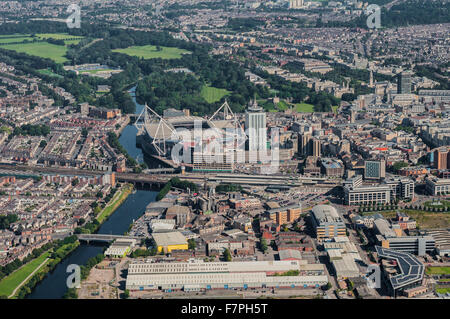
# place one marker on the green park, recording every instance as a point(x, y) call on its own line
point(153, 52)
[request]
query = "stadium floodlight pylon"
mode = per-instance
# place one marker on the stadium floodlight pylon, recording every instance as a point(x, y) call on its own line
point(228, 114)
point(160, 144)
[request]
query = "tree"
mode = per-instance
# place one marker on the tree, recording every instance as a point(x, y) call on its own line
point(84, 132)
point(126, 294)
point(263, 245)
point(227, 254)
point(191, 243)
point(398, 165)
point(75, 182)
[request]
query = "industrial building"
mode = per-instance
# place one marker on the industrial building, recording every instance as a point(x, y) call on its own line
point(196, 275)
point(120, 248)
point(343, 255)
point(168, 241)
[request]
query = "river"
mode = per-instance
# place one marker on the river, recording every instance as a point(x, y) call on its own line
point(54, 284)
point(128, 136)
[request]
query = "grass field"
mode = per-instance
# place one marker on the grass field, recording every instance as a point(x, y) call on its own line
point(282, 106)
point(150, 52)
point(40, 49)
point(304, 108)
point(212, 94)
point(437, 271)
point(8, 284)
point(4, 40)
point(49, 73)
point(69, 42)
point(442, 289)
point(334, 108)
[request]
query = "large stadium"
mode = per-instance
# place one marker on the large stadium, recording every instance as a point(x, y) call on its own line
point(180, 139)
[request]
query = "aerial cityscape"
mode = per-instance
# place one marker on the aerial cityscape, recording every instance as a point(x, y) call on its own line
point(225, 149)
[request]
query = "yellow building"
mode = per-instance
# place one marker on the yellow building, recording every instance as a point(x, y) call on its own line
point(168, 241)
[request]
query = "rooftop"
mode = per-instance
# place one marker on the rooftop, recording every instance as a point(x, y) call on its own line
point(169, 238)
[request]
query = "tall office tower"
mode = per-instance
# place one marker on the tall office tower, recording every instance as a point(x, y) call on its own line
point(304, 144)
point(440, 158)
point(316, 147)
point(352, 116)
point(295, 4)
point(255, 124)
point(374, 169)
point(404, 82)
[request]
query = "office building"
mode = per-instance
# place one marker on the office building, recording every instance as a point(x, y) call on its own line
point(355, 193)
point(364, 195)
point(392, 238)
point(295, 4)
point(411, 270)
point(374, 169)
point(285, 215)
point(332, 167)
point(316, 147)
point(440, 158)
point(326, 222)
point(255, 124)
point(404, 83)
point(401, 188)
point(304, 144)
point(417, 245)
point(437, 186)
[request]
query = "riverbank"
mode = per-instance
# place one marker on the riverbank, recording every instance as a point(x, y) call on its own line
point(9, 284)
point(116, 201)
point(20, 283)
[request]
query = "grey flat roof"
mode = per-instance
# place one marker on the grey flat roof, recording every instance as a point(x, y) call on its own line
point(411, 268)
point(169, 238)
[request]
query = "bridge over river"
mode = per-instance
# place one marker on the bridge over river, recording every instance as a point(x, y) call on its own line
point(104, 237)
